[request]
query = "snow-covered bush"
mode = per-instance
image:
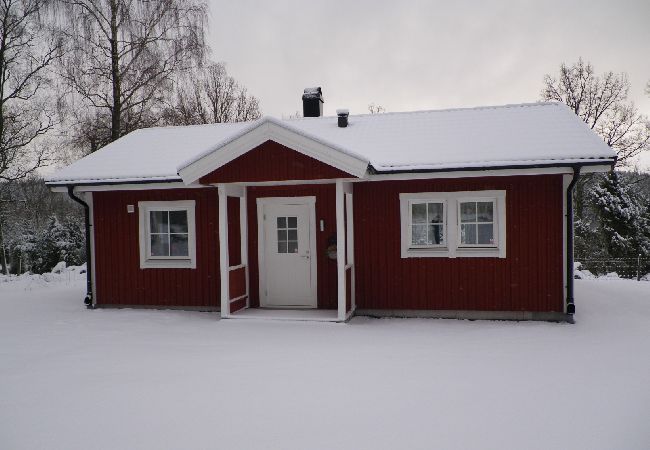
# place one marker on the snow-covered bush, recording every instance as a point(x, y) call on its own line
point(58, 242)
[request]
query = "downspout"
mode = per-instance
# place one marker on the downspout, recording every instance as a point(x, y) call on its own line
point(570, 305)
point(88, 301)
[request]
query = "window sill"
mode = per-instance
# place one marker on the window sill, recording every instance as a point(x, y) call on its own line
point(480, 252)
point(430, 252)
point(168, 264)
point(459, 252)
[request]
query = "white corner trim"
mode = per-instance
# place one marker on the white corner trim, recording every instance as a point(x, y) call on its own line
point(166, 263)
point(266, 131)
point(452, 247)
point(566, 181)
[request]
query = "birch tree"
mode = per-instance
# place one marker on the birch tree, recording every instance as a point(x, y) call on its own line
point(26, 54)
point(210, 95)
point(122, 57)
point(601, 101)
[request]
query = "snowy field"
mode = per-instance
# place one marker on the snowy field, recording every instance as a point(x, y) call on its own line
point(72, 378)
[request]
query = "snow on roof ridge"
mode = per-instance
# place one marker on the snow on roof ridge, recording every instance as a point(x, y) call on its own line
point(194, 125)
point(258, 123)
point(425, 111)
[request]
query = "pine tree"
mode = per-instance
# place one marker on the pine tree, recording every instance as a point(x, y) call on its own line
point(624, 218)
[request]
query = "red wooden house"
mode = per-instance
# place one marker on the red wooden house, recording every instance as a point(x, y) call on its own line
point(453, 213)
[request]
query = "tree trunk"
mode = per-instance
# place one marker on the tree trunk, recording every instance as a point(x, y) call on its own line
point(116, 111)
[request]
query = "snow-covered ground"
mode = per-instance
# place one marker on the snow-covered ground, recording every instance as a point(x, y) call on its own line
point(72, 378)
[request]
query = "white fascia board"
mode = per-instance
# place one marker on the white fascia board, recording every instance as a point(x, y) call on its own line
point(484, 173)
point(269, 130)
point(129, 187)
point(493, 165)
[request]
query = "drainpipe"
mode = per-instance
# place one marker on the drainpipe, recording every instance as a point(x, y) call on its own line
point(570, 305)
point(88, 301)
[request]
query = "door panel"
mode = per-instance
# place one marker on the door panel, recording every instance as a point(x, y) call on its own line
point(288, 234)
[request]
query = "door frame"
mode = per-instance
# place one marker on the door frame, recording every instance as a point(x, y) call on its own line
point(261, 246)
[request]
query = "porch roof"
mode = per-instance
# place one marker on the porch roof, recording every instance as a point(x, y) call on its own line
point(485, 137)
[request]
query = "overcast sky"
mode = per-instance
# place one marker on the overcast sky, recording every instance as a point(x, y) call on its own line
point(410, 55)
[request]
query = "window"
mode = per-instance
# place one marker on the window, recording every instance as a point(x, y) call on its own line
point(453, 224)
point(288, 234)
point(167, 234)
point(427, 225)
point(477, 223)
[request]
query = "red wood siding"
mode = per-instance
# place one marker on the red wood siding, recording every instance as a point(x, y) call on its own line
point(529, 279)
point(325, 210)
point(234, 232)
point(348, 289)
point(119, 279)
point(273, 162)
point(237, 284)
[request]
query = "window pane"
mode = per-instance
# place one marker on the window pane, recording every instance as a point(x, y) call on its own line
point(292, 222)
point(292, 235)
point(419, 235)
point(282, 235)
point(292, 247)
point(419, 213)
point(178, 221)
point(159, 245)
point(158, 221)
point(485, 211)
point(468, 212)
point(282, 246)
point(435, 212)
point(486, 234)
point(179, 245)
point(468, 234)
point(282, 222)
point(435, 234)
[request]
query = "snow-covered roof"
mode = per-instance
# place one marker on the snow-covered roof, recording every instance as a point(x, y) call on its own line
point(511, 135)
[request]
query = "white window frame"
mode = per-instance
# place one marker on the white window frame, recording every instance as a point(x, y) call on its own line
point(426, 201)
point(452, 247)
point(495, 222)
point(147, 261)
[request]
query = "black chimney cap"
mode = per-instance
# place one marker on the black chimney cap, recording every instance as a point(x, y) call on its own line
point(313, 92)
point(343, 117)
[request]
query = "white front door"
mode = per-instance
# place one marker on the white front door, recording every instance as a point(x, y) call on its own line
point(287, 252)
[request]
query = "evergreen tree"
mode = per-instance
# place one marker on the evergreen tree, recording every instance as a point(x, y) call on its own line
point(624, 218)
point(59, 241)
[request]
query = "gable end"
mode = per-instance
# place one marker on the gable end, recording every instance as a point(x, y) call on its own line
point(272, 161)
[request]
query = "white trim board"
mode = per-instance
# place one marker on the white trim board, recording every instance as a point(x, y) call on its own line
point(270, 131)
point(368, 177)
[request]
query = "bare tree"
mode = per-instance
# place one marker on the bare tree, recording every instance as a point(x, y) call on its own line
point(602, 103)
point(123, 55)
point(26, 53)
point(210, 95)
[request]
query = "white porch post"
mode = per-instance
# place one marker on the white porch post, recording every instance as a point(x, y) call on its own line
point(224, 263)
point(243, 226)
point(341, 248)
point(350, 244)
